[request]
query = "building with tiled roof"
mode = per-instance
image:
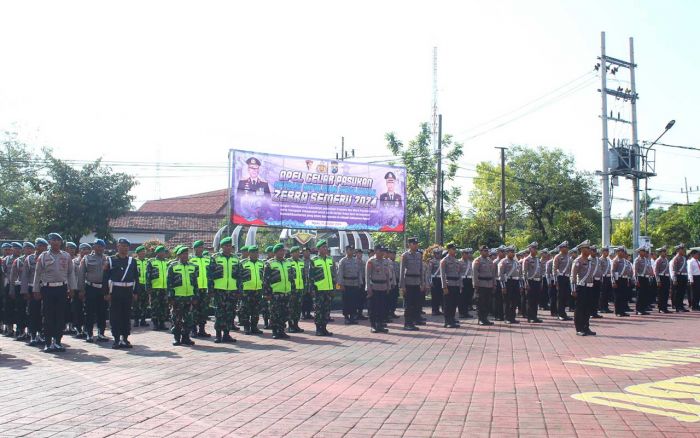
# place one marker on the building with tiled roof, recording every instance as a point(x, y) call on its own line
point(175, 221)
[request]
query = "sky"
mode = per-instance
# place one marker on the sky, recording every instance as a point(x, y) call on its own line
point(166, 82)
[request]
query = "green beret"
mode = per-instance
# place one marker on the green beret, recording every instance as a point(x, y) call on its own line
point(253, 248)
point(197, 244)
point(225, 241)
point(205, 253)
point(277, 247)
point(245, 248)
point(321, 243)
point(268, 248)
point(294, 249)
point(159, 248)
point(140, 248)
point(182, 249)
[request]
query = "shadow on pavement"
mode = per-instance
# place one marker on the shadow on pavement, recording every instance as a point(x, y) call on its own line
point(144, 351)
point(10, 361)
point(78, 355)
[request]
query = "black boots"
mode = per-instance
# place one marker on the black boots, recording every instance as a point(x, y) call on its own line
point(217, 339)
point(227, 337)
point(202, 333)
point(177, 342)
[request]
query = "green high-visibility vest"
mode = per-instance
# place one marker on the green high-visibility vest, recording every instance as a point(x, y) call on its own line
point(142, 265)
point(326, 283)
point(255, 268)
point(298, 266)
point(228, 266)
point(284, 285)
point(186, 289)
point(162, 267)
point(202, 263)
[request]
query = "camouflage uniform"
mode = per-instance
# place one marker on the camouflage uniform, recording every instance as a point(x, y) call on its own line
point(140, 304)
point(278, 283)
point(323, 276)
point(200, 308)
point(251, 279)
point(296, 296)
point(159, 304)
point(182, 316)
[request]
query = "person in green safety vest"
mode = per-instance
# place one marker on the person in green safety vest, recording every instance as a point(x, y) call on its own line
point(297, 292)
point(223, 275)
point(322, 277)
point(251, 283)
point(265, 300)
point(278, 283)
point(140, 304)
point(201, 308)
point(156, 284)
point(182, 294)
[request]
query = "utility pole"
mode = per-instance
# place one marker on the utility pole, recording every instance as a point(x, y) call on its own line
point(630, 162)
point(503, 193)
point(438, 188)
point(606, 162)
point(635, 146)
point(687, 197)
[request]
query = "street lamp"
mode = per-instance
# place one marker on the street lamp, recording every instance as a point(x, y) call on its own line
point(669, 125)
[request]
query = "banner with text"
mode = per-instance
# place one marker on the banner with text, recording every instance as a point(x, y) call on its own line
point(309, 193)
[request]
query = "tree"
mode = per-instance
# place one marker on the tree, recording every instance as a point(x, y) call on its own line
point(673, 227)
point(19, 191)
point(622, 233)
point(421, 176)
point(79, 201)
point(543, 185)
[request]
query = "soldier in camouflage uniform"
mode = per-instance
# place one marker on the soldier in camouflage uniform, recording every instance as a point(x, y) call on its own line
point(140, 304)
point(322, 276)
point(297, 291)
point(278, 283)
point(251, 283)
point(156, 284)
point(201, 306)
point(264, 300)
point(182, 294)
point(224, 272)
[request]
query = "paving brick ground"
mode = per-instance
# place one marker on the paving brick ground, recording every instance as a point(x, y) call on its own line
point(500, 381)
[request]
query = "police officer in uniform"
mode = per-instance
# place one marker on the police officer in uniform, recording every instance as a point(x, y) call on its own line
point(663, 282)
point(597, 275)
point(641, 274)
point(436, 282)
point(254, 184)
point(33, 298)
point(412, 284)
point(93, 291)
point(307, 301)
point(323, 278)
point(21, 301)
point(582, 283)
point(77, 301)
point(377, 278)
point(10, 294)
point(54, 277)
point(389, 199)
point(485, 276)
point(679, 278)
point(451, 285)
point(464, 304)
point(510, 277)
point(119, 285)
point(561, 269)
point(532, 276)
point(606, 282)
point(349, 282)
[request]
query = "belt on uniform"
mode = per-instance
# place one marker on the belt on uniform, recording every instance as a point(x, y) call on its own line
point(625, 277)
point(57, 284)
point(18, 283)
point(120, 284)
point(378, 281)
point(606, 275)
point(534, 279)
point(596, 278)
point(485, 278)
point(682, 275)
point(453, 278)
point(412, 275)
point(93, 284)
point(514, 278)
